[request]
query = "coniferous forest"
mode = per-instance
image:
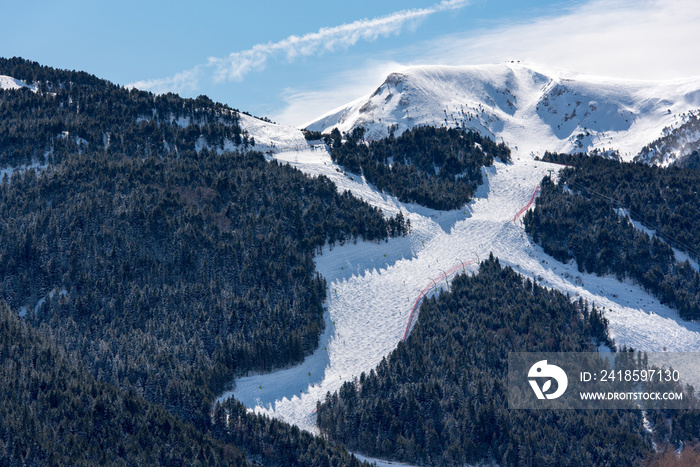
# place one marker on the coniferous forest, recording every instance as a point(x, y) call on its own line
point(54, 412)
point(149, 255)
point(662, 199)
point(586, 217)
point(162, 273)
point(74, 112)
point(436, 167)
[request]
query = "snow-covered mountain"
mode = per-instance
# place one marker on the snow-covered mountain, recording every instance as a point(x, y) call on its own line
point(678, 145)
point(531, 108)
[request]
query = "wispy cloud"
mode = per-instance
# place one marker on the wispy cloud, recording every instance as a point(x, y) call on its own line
point(182, 82)
point(237, 65)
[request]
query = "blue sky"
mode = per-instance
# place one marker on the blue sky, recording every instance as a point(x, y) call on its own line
point(292, 61)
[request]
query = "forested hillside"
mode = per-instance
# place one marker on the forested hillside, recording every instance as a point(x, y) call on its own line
point(436, 167)
point(662, 199)
point(678, 145)
point(580, 219)
point(53, 411)
point(162, 268)
point(440, 397)
point(73, 111)
point(172, 275)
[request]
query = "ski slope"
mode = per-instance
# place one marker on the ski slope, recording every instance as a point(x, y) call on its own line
point(8, 82)
point(270, 136)
point(373, 286)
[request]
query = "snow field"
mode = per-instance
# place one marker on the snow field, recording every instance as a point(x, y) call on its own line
point(8, 82)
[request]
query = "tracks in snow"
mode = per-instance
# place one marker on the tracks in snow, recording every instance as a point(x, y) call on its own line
point(413, 316)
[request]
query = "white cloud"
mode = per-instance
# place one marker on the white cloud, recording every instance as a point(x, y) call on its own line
point(182, 82)
point(648, 39)
point(236, 65)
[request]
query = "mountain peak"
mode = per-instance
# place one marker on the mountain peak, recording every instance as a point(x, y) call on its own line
point(531, 107)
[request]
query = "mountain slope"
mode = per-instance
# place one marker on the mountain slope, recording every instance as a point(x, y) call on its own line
point(678, 145)
point(531, 108)
point(47, 114)
point(53, 410)
point(160, 261)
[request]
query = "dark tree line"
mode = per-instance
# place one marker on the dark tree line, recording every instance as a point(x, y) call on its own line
point(440, 397)
point(588, 229)
point(437, 167)
point(662, 199)
point(54, 412)
point(76, 112)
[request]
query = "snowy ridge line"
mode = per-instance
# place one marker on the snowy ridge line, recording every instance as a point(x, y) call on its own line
point(421, 296)
point(530, 106)
point(527, 206)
